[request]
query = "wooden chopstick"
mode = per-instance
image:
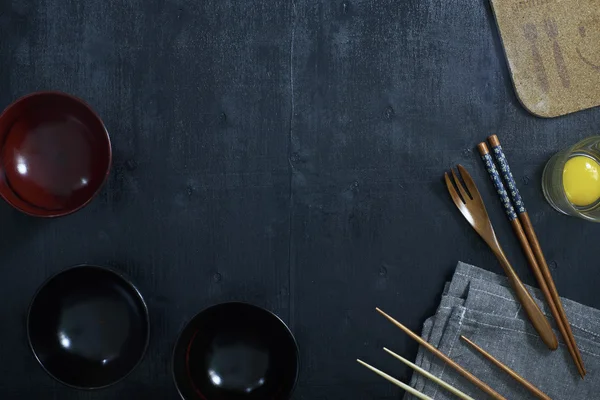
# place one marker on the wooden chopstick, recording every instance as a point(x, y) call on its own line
point(534, 254)
point(562, 316)
point(528, 385)
point(534, 313)
point(434, 378)
point(396, 382)
point(472, 378)
point(516, 224)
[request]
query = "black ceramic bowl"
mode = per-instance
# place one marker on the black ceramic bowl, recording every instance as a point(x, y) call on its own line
point(235, 351)
point(88, 327)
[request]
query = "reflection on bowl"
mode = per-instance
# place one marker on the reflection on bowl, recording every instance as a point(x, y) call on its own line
point(235, 351)
point(88, 327)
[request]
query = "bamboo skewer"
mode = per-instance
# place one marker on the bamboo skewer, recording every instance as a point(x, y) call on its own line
point(396, 382)
point(432, 377)
point(472, 378)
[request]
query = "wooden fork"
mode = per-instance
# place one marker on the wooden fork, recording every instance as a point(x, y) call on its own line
point(472, 208)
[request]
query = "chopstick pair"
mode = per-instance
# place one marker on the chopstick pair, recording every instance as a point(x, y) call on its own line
point(420, 370)
point(525, 233)
point(472, 378)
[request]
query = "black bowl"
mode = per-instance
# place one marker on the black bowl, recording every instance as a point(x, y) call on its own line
point(235, 351)
point(88, 327)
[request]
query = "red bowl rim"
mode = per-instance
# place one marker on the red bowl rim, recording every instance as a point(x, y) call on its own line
point(65, 212)
point(180, 337)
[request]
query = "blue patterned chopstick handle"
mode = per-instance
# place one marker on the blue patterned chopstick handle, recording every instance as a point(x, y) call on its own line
point(508, 178)
point(491, 168)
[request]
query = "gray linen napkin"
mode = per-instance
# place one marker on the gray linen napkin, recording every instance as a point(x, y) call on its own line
point(480, 305)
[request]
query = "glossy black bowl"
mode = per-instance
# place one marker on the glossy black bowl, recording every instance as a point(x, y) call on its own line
point(88, 327)
point(235, 351)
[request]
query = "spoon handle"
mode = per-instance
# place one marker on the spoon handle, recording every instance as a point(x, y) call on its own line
point(536, 316)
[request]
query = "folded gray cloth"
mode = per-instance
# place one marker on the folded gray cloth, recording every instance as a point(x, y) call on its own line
point(481, 306)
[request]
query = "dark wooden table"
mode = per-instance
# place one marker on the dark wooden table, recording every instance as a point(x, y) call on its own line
point(285, 153)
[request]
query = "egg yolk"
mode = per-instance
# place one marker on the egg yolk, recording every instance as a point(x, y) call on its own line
point(581, 180)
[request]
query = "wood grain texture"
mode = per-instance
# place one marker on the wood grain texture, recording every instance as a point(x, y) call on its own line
point(284, 153)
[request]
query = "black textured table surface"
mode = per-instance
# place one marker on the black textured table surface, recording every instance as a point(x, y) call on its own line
point(284, 153)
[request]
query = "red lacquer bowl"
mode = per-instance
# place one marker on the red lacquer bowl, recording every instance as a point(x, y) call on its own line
point(55, 154)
